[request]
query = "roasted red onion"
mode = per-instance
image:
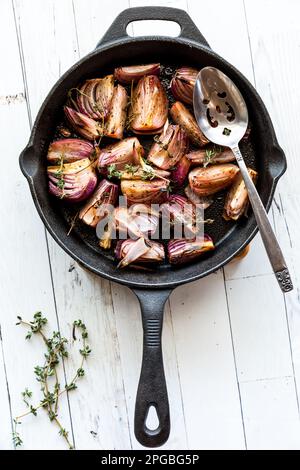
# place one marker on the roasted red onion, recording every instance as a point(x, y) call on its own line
point(180, 172)
point(210, 180)
point(169, 147)
point(94, 97)
point(149, 192)
point(83, 125)
point(210, 156)
point(99, 205)
point(133, 73)
point(149, 106)
point(201, 201)
point(182, 116)
point(126, 152)
point(116, 118)
point(73, 182)
point(139, 251)
point(182, 251)
point(70, 150)
point(237, 198)
point(139, 220)
point(182, 85)
point(181, 212)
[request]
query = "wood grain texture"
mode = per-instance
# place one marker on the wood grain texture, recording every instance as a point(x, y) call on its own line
point(231, 341)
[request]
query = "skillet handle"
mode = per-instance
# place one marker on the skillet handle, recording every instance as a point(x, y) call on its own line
point(152, 389)
point(117, 30)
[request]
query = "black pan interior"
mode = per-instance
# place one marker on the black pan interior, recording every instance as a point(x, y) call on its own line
point(260, 151)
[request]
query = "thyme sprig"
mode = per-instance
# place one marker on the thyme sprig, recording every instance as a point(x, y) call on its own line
point(55, 353)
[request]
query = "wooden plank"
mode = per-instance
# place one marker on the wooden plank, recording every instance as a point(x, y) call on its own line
point(271, 414)
point(26, 285)
point(6, 420)
point(78, 294)
point(259, 328)
point(206, 364)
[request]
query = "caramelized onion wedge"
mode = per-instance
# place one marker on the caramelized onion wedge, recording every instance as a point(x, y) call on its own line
point(140, 251)
point(210, 180)
point(99, 205)
point(182, 85)
point(83, 125)
point(169, 147)
point(182, 116)
point(182, 251)
point(210, 156)
point(181, 212)
point(133, 73)
point(180, 172)
point(73, 182)
point(139, 220)
point(201, 201)
point(149, 107)
point(237, 198)
point(125, 152)
point(70, 150)
point(116, 119)
point(148, 192)
point(94, 97)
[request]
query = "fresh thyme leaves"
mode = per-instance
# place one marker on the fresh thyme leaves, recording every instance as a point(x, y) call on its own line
point(148, 173)
point(112, 171)
point(209, 154)
point(131, 169)
point(47, 374)
point(60, 175)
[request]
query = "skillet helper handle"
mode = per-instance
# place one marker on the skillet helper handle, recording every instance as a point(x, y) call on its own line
point(189, 30)
point(152, 389)
point(266, 231)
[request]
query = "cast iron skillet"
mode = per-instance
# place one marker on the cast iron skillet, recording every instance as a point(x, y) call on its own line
point(152, 289)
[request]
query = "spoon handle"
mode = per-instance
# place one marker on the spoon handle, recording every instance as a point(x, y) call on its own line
point(268, 236)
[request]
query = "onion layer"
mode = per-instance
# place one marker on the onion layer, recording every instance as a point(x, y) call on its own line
point(149, 192)
point(83, 125)
point(73, 182)
point(149, 106)
point(182, 251)
point(133, 73)
point(182, 116)
point(168, 149)
point(182, 85)
point(237, 199)
point(139, 251)
point(125, 152)
point(116, 119)
point(70, 150)
point(212, 179)
point(99, 205)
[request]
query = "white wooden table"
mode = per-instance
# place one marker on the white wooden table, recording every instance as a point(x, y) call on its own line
point(231, 341)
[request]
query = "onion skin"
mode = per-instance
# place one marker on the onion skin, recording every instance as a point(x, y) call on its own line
point(182, 251)
point(139, 220)
point(237, 199)
point(201, 201)
point(170, 148)
point(133, 73)
point(182, 84)
point(97, 207)
point(70, 150)
point(212, 179)
point(78, 180)
point(83, 125)
point(116, 119)
point(139, 251)
point(180, 211)
point(201, 157)
point(94, 97)
point(182, 116)
point(148, 192)
point(120, 154)
point(149, 107)
point(179, 174)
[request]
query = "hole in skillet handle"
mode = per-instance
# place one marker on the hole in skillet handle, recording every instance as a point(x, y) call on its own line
point(118, 29)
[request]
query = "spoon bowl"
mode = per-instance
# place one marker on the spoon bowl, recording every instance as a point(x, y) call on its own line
point(219, 107)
